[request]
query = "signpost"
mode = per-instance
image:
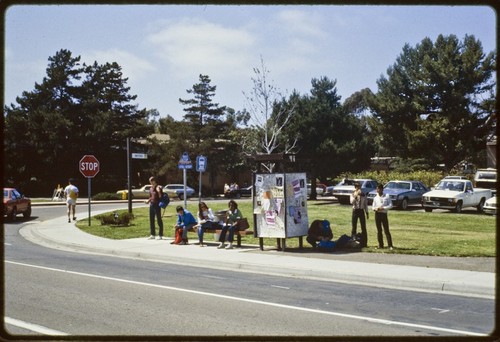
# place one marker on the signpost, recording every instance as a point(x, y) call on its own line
point(184, 164)
point(201, 166)
point(89, 167)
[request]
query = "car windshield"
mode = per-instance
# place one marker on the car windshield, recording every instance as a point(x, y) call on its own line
point(398, 185)
point(346, 182)
point(489, 176)
point(450, 185)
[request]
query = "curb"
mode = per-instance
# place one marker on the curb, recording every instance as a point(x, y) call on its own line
point(386, 276)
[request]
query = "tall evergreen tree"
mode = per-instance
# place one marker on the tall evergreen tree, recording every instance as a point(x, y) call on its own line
point(208, 130)
point(437, 101)
point(75, 110)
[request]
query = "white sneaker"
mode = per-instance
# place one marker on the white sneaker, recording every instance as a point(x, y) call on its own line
point(159, 238)
point(230, 246)
point(222, 244)
point(151, 237)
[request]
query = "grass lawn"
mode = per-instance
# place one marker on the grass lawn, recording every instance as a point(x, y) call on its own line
point(467, 234)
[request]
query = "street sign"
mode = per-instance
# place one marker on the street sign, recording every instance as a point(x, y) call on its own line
point(185, 162)
point(139, 156)
point(89, 166)
point(201, 164)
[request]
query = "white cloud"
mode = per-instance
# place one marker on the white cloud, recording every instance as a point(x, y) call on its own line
point(133, 67)
point(302, 23)
point(199, 46)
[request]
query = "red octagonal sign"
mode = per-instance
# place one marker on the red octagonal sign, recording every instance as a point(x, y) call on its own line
point(89, 166)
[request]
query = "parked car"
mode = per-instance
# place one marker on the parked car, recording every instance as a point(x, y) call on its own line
point(238, 193)
point(455, 194)
point(15, 203)
point(490, 206)
point(319, 189)
point(177, 190)
point(487, 179)
point(136, 193)
point(343, 190)
point(402, 193)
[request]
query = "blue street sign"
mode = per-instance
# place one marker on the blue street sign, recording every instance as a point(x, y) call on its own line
point(185, 162)
point(201, 164)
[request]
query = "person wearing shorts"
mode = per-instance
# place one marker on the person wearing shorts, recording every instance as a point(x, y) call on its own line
point(71, 194)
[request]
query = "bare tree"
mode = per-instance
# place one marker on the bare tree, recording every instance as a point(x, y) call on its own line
point(267, 117)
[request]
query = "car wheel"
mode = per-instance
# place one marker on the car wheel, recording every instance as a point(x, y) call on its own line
point(344, 200)
point(181, 196)
point(27, 213)
point(13, 214)
point(480, 205)
point(458, 207)
point(428, 210)
point(404, 204)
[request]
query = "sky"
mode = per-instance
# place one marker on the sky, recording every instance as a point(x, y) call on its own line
point(163, 49)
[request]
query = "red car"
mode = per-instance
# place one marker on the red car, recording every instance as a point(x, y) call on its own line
point(15, 203)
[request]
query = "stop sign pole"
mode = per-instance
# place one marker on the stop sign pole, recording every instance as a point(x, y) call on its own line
point(89, 167)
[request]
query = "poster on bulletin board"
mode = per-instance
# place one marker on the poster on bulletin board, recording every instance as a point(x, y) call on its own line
point(280, 205)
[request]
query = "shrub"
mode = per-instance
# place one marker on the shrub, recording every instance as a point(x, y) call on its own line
point(115, 219)
point(106, 196)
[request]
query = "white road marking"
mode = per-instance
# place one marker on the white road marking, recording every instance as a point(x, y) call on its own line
point(7, 244)
point(253, 301)
point(280, 287)
point(34, 327)
point(441, 310)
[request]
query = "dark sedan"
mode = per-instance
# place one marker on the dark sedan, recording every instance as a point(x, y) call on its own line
point(402, 193)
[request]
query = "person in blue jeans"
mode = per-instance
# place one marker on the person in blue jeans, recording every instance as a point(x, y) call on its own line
point(185, 221)
point(232, 217)
point(155, 193)
point(206, 220)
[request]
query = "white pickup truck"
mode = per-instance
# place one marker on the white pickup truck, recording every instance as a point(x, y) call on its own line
point(455, 194)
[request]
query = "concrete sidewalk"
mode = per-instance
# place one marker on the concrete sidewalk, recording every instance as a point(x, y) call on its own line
point(388, 271)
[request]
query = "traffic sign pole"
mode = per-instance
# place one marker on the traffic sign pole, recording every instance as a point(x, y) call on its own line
point(201, 166)
point(90, 195)
point(89, 167)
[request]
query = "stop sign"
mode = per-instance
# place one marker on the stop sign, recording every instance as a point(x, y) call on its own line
point(89, 166)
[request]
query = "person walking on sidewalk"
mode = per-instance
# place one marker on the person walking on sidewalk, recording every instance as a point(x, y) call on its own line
point(71, 194)
point(155, 193)
point(232, 217)
point(359, 209)
point(380, 205)
point(185, 221)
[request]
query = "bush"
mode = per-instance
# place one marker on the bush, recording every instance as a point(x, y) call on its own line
point(115, 219)
point(106, 196)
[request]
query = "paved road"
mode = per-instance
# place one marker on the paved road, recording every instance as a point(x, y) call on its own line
point(303, 307)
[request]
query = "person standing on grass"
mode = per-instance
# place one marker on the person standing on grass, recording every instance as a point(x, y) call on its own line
point(380, 205)
point(155, 193)
point(71, 194)
point(359, 209)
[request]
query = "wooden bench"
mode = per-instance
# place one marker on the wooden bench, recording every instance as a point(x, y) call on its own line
point(237, 233)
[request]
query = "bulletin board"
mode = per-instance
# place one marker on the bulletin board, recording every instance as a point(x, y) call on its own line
point(280, 205)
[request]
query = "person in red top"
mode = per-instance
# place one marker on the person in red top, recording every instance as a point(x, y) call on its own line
point(155, 193)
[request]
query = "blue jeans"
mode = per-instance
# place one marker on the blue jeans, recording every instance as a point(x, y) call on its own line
point(206, 225)
point(155, 210)
point(230, 237)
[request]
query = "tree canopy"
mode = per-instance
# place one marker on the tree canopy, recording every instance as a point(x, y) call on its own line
point(437, 101)
point(75, 110)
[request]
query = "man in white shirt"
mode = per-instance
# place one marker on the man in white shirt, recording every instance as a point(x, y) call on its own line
point(71, 194)
point(380, 205)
